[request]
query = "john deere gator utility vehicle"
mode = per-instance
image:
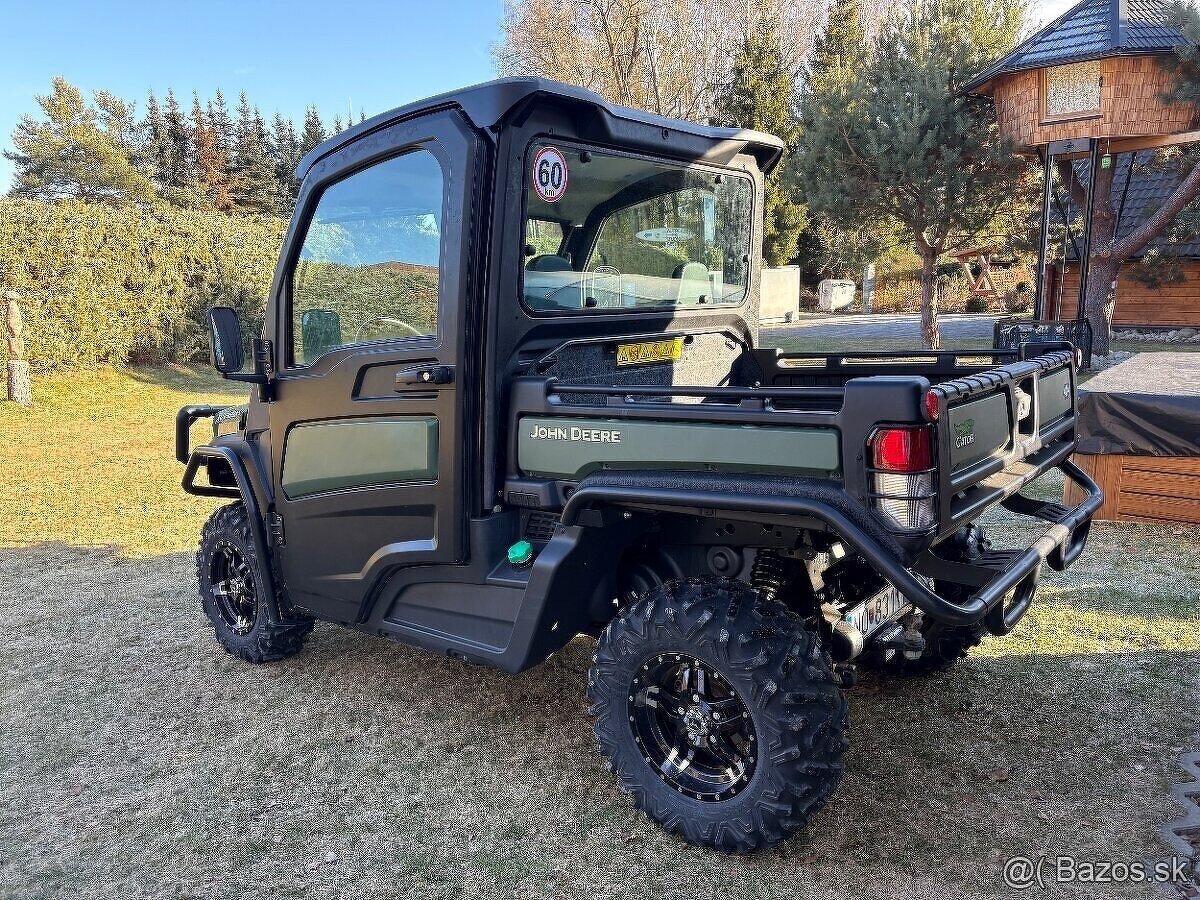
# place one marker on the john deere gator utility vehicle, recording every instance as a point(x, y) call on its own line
point(509, 391)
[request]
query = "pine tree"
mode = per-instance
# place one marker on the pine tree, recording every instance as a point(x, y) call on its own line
point(899, 141)
point(761, 95)
point(337, 125)
point(76, 152)
point(212, 162)
point(287, 158)
point(254, 184)
point(314, 130)
point(119, 120)
point(826, 246)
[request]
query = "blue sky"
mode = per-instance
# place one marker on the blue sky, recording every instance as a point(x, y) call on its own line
point(367, 56)
point(362, 55)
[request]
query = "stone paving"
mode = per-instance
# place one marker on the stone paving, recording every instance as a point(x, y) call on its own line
point(884, 328)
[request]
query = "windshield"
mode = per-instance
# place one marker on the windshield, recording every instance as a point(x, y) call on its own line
point(609, 232)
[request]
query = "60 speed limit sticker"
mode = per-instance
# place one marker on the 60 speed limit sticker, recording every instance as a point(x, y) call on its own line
point(550, 174)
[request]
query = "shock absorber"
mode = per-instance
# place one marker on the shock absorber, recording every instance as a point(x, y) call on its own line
point(769, 574)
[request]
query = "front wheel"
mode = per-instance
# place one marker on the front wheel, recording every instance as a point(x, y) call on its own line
point(234, 593)
point(719, 712)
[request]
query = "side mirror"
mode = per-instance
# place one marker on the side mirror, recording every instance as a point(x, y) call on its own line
point(225, 347)
point(225, 340)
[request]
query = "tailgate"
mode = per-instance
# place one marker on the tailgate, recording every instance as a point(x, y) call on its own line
point(1000, 429)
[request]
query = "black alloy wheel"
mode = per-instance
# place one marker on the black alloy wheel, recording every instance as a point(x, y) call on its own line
point(692, 727)
point(719, 713)
point(233, 588)
point(249, 620)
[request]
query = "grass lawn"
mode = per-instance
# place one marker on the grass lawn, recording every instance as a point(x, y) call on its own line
point(139, 760)
point(92, 463)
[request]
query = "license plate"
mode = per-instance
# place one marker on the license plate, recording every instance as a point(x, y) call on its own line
point(649, 352)
point(884, 607)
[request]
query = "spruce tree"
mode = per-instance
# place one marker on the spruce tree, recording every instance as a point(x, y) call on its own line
point(76, 152)
point(221, 124)
point(156, 147)
point(178, 179)
point(212, 161)
point(287, 158)
point(899, 141)
point(254, 184)
point(761, 95)
point(314, 130)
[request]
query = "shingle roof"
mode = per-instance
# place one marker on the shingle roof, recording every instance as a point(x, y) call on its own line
point(1092, 29)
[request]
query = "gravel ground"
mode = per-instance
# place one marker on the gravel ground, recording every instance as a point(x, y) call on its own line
point(141, 761)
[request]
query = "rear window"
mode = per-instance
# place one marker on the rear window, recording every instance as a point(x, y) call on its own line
point(604, 231)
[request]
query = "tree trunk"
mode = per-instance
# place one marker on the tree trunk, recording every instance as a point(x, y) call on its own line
point(931, 339)
point(19, 389)
point(1097, 293)
point(1099, 300)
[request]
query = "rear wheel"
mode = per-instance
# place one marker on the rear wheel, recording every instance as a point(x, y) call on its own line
point(234, 593)
point(719, 713)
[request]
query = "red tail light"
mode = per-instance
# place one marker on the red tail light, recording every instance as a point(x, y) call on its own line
point(904, 450)
point(933, 406)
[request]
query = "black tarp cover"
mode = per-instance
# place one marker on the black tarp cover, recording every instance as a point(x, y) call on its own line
point(1148, 405)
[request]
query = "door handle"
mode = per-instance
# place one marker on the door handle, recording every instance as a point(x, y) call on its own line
point(424, 375)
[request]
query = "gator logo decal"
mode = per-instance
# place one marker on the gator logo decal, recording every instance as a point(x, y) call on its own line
point(964, 433)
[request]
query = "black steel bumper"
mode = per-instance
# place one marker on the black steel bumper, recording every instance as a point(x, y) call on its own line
point(996, 573)
point(989, 578)
point(183, 425)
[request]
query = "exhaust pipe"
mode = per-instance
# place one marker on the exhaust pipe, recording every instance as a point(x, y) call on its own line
point(846, 643)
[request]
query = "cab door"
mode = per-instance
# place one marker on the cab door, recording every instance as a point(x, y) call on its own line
point(366, 418)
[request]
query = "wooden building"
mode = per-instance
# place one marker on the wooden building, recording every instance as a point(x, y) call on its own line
point(1089, 86)
point(1085, 94)
point(1091, 73)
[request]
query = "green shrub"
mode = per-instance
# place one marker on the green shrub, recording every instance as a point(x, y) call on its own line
point(114, 285)
point(977, 303)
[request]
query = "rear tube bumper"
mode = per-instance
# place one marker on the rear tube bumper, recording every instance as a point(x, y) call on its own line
point(1060, 546)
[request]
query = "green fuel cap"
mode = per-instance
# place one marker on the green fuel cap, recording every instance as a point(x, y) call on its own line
point(520, 553)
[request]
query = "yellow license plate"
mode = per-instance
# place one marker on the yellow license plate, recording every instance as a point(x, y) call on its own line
point(649, 352)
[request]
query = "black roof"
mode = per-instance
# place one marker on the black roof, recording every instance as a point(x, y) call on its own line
point(485, 105)
point(1093, 29)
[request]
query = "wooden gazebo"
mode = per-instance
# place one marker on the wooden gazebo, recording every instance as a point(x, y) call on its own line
point(1088, 86)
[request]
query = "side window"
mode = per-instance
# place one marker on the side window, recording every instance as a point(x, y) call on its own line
point(368, 267)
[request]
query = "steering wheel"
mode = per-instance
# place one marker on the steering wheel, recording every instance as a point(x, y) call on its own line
point(390, 321)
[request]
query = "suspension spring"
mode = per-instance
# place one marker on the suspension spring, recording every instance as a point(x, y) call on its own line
point(769, 574)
